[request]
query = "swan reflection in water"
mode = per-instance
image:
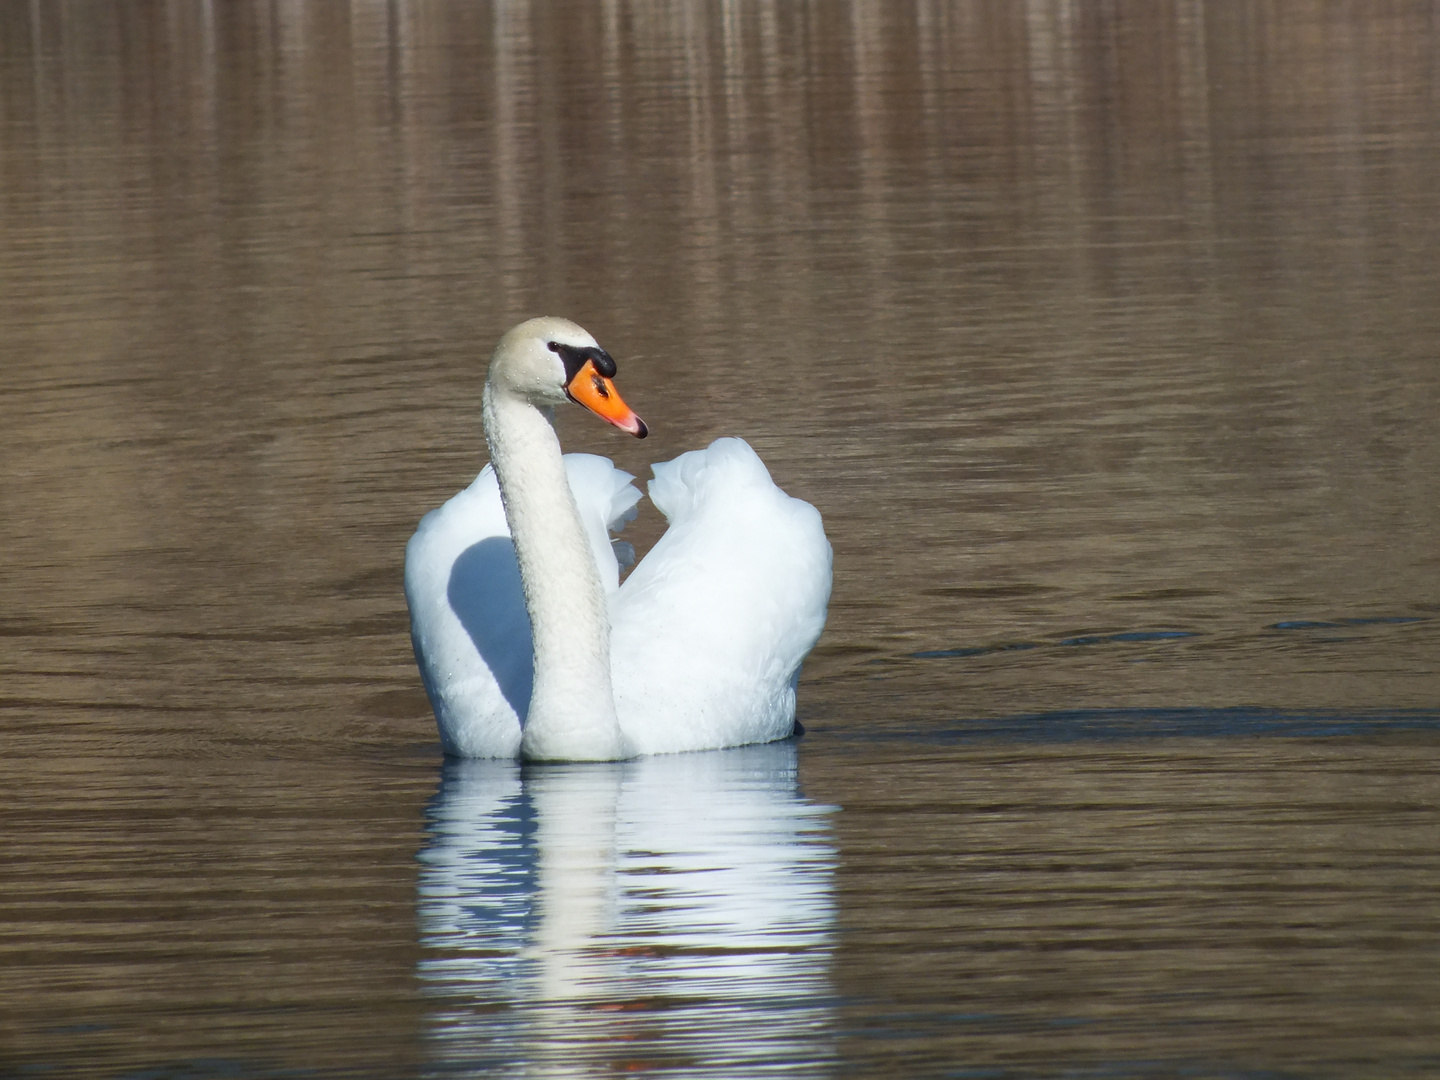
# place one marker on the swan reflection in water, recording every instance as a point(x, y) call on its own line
point(673, 912)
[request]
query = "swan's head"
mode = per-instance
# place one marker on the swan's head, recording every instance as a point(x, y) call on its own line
point(546, 361)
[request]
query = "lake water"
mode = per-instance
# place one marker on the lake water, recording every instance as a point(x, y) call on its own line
point(1104, 336)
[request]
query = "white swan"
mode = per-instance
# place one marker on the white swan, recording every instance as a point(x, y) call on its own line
point(533, 649)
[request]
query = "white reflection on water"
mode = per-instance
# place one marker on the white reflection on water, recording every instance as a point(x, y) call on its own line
point(674, 912)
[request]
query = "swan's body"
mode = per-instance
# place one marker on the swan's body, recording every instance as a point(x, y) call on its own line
point(528, 644)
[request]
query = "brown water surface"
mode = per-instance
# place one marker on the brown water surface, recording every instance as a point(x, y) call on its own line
point(1104, 336)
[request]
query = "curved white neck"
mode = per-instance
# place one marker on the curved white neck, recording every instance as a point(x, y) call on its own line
point(572, 707)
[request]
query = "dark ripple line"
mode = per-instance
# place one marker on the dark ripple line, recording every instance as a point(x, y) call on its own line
point(1315, 624)
point(1089, 639)
point(1118, 725)
point(1129, 636)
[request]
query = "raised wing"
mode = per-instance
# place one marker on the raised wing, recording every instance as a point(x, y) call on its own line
point(709, 631)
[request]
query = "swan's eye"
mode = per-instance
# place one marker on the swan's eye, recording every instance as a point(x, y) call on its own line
point(574, 357)
point(600, 387)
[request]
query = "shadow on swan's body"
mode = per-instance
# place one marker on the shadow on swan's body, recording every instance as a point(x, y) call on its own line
point(528, 644)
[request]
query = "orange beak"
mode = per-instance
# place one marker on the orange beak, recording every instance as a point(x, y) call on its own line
point(598, 394)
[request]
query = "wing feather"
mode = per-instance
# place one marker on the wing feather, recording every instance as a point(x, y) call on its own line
point(710, 629)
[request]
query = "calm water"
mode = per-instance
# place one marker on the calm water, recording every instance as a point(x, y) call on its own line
point(1103, 335)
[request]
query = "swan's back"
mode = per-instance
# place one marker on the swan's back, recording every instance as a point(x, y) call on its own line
point(709, 631)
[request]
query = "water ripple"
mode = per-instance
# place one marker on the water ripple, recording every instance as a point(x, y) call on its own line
point(668, 912)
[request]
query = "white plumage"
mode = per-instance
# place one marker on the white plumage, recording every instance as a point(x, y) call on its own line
point(702, 643)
